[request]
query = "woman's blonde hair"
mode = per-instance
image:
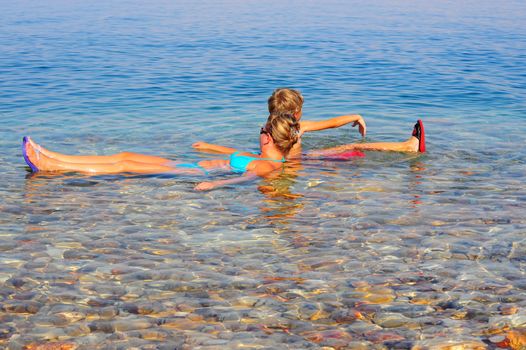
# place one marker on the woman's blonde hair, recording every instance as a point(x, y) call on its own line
point(284, 100)
point(284, 129)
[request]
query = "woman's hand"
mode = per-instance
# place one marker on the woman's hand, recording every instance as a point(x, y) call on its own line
point(204, 186)
point(199, 145)
point(362, 127)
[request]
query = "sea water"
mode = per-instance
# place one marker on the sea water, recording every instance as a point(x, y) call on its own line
point(388, 251)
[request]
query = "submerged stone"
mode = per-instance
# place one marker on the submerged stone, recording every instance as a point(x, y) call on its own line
point(21, 307)
point(442, 344)
point(52, 346)
point(6, 331)
point(391, 320)
point(128, 325)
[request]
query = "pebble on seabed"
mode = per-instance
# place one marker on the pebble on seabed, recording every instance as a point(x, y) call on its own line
point(391, 320)
point(516, 339)
point(21, 307)
point(450, 345)
point(51, 346)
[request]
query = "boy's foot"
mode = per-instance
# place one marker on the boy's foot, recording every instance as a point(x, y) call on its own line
point(419, 134)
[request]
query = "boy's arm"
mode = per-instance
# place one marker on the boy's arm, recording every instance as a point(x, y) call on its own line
point(336, 122)
point(211, 148)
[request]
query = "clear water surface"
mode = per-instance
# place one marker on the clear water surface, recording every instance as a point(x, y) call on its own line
point(389, 251)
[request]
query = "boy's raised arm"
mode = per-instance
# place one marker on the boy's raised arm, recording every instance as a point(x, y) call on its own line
point(356, 119)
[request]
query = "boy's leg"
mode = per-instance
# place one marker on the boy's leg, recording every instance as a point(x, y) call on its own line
point(416, 143)
point(410, 145)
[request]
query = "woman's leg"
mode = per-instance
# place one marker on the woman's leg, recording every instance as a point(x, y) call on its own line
point(44, 163)
point(110, 159)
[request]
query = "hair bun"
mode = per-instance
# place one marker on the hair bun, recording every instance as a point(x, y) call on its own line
point(284, 129)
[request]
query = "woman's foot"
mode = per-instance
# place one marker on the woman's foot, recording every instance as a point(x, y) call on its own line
point(420, 136)
point(30, 155)
point(36, 160)
point(41, 150)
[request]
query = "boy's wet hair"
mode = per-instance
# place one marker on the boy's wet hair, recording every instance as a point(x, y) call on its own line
point(285, 100)
point(284, 129)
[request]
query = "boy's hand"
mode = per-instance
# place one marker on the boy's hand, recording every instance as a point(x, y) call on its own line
point(362, 127)
point(204, 186)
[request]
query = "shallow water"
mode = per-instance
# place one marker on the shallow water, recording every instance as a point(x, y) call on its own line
point(387, 251)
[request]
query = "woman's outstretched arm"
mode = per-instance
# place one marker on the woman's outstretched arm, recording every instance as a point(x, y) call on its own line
point(210, 185)
point(211, 148)
point(259, 168)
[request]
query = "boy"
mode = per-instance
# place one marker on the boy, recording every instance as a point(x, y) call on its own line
point(285, 100)
point(290, 101)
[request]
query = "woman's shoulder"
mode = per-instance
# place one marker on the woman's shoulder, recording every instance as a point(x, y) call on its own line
point(261, 166)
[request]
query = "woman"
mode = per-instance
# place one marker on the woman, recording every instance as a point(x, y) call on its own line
point(276, 139)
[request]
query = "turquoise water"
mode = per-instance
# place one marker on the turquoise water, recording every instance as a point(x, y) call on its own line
point(389, 251)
